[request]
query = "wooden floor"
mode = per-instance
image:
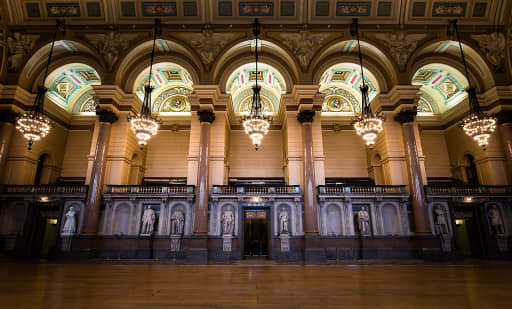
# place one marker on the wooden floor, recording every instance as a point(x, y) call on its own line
point(32, 285)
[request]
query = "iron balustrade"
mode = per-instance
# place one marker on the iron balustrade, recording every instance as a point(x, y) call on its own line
point(45, 189)
point(466, 189)
point(256, 189)
point(150, 189)
point(360, 189)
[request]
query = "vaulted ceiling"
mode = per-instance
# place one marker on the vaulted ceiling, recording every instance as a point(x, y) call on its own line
point(477, 12)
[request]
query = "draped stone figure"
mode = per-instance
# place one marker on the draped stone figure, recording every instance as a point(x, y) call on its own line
point(363, 220)
point(495, 221)
point(441, 226)
point(177, 222)
point(228, 220)
point(148, 221)
point(70, 223)
point(283, 222)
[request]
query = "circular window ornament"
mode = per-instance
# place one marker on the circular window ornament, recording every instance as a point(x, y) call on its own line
point(338, 104)
point(174, 104)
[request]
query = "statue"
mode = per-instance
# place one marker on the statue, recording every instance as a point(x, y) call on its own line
point(363, 219)
point(228, 222)
point(148, 221)
point(283, 222)
point(177, 222)
point(441, 227)
point(20, 45)
point(70, 223)
point(495, 221)
point(494, 45)
point(112, 44)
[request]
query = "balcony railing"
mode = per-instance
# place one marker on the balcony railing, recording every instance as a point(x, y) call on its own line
point(45, 189)
point(256, 189)
point(361, 190)
point(152, 189)
point(466, 190)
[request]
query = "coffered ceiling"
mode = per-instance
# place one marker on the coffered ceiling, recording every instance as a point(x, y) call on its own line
point(477, 12)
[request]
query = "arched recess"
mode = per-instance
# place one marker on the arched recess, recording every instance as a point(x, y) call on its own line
point(442, 87)
point(43, 173)
point(334, 226)
point(171, 86)
point(242, 80)
point(341, 85)
point(65, 52)
point(70, 87)
point(121, 220)
point(375, 60)
point(138, 59)
point(390, 220)
point(448, 52)
point(377, 170)
point(136, 170)
point(243, 52)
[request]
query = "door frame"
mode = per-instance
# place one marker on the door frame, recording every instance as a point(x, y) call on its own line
point(270, 228)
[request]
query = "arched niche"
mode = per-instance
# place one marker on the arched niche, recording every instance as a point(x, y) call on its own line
point(121, 220)
point(390, 219)
point(447, 52)
point(334, 220)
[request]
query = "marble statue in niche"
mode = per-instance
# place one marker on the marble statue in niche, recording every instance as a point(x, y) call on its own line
point(495, 221)
point(283, 222)
point(148, 221)
point(177, 222)
point(363, 220)
point(441, 226)
point(70, 223)
point(228, 222)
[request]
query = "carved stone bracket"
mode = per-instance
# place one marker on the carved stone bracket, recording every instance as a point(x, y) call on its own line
point(504, 117)
point(306, 116)
point(8, 116)
point(206, 116)
point(106, 115)
point(406, 115)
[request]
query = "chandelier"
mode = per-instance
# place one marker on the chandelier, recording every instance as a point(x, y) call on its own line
point(477, 124)
point(256, 124)
point(368, 125)
point(143, 125)
point(34, 125)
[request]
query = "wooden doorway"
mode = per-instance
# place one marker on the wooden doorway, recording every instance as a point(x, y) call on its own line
point(256, 232)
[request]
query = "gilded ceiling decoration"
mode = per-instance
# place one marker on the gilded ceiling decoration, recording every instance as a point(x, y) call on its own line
point(400, 44)
point(493, 46)
point(112, 44)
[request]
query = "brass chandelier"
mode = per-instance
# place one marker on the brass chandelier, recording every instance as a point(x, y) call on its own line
point(256, 124)
point(34, 125)
point(477, 124)
point(368, 125)
point(143, 125)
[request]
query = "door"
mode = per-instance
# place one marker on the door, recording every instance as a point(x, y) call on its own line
point(44, 232)
point(256, 232)
point(468, 233)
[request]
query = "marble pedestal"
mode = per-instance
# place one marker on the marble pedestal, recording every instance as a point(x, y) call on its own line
point(446, 243)
point(227, 241)
point(175, 243)
point(285, 242)
point(502, 244)
point(65, 245)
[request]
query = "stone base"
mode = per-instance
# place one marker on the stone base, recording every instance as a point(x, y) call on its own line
point(227, 241)
point(285, 243)
point(175, 243)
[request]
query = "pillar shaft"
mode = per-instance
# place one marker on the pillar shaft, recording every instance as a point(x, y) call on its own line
point(94, 193)
point(6, 130)
point(310, 203)
point(206, 118)
point(506, 139)
point(416, 185)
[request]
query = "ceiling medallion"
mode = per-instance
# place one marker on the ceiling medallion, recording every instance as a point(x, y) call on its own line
point(368, 125)
point(256, 124)
point(143, 125)
point(34, 125)
point(478, 125)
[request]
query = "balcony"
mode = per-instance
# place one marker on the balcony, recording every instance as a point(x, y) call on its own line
point(149, 190)
point(38, 191)
point(361, 190)
point(256, 189)
point(466, 190)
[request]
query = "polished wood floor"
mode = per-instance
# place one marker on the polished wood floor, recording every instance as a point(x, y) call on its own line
point(39, 285)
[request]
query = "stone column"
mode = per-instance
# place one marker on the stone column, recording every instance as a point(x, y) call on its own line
point(505, 128)
point(416, 185)
point(310, 200)
point(7, 120)
point(93, 202)
point(206, 118)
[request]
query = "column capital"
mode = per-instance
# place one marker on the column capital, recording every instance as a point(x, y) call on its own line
point(504, 116)
point(206, 116)
point(8, 116)
point(406, 115)
point(106, 115)
point(306, 116)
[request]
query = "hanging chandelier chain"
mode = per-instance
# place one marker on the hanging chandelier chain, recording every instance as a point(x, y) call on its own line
point(364, 88)
point(59, 25)
point(256, 102)
point(146, 104)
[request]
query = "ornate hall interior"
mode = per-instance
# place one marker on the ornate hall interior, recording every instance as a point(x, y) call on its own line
point(312, 131)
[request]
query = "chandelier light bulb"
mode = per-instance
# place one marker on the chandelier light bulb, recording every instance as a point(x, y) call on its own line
point(33, 128)
point(368, 127)
point(144, 128)
point(480, 127)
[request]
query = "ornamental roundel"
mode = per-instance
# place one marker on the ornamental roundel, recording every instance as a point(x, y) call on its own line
point(174, 104)
point(338, 104)
point(245, 106)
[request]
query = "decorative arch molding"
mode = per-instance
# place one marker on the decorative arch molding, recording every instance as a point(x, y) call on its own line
point(241, 52)
point(443, 51)
point(65, 51)
point(128, 83)
point(138, 58)
point(374, 59)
